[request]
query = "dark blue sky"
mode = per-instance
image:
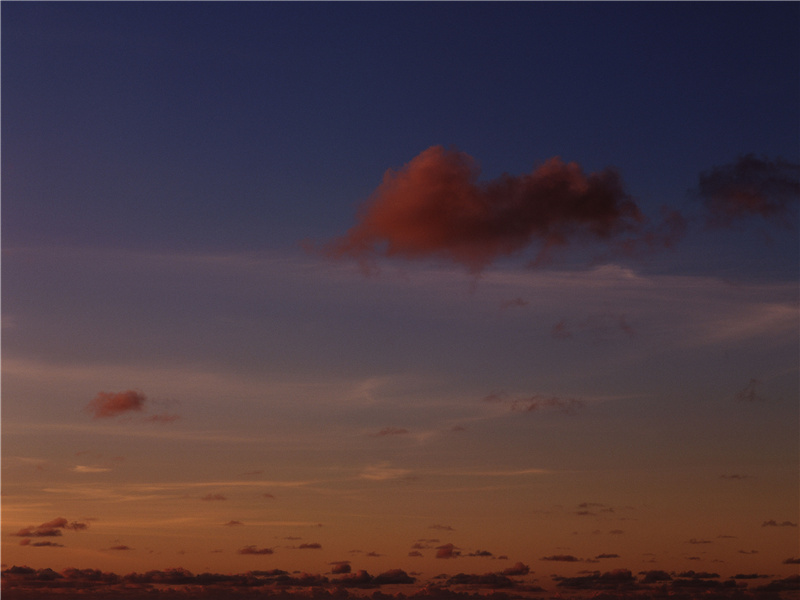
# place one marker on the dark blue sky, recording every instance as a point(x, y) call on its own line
point(255, 125)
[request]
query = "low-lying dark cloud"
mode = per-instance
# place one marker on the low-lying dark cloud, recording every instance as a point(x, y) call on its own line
point(517, 570)
point(750, 187)
point(26, 583)
point(341, 567)
point(112, 404)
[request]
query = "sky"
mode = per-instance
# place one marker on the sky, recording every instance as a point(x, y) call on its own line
point(415, 297)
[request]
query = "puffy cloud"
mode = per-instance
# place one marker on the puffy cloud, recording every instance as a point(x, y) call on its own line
point(699, 575)
point(480, 553)
point(435, 206)
point(341, 567)
point(447, 551)
point(655, 576)
point(780, 585)
point(618, 578)
point(490, 580)
point(393, 577)
point(774, 523)
point(750, 187)
point(254, 550)
point(111, 404)
point(51, 528)
point(516, 570)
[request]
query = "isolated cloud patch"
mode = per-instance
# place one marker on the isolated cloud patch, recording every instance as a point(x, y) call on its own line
point(255, 550)
point(536, 402)
point(561, 558)
point(112, 404)
point(750, 187)
point(435, 207)
point(51, 528)
point(447, 551)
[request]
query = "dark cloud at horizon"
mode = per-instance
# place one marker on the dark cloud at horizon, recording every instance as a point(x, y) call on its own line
point(27, 583)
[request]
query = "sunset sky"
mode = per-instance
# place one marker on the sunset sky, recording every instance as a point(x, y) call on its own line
point(443, 288)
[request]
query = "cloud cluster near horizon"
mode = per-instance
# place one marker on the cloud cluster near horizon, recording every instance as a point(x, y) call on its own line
point(32, 583)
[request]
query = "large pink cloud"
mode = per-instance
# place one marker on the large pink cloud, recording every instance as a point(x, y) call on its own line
point(435, 206)
point(111, 404)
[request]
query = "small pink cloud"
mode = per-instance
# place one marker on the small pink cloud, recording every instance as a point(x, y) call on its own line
point(447, 551)
point(111, 404)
